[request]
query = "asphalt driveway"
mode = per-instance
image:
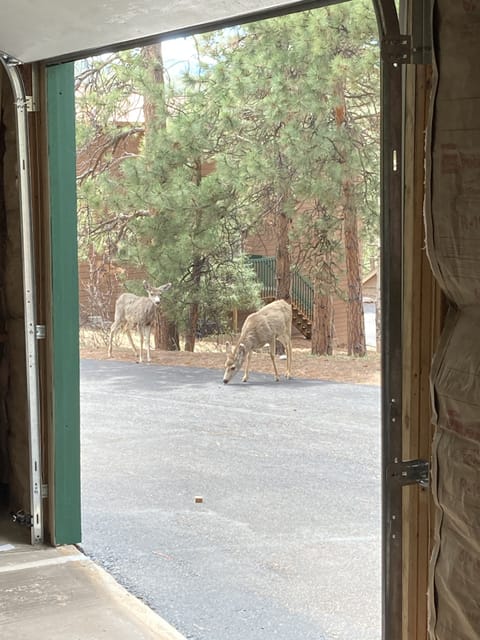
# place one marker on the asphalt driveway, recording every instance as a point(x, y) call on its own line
point(238, 512)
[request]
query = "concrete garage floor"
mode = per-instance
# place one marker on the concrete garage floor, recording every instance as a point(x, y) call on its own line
point(58, 594)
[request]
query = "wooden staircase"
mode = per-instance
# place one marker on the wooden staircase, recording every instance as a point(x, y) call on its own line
point(301, 321)
point(301, 292)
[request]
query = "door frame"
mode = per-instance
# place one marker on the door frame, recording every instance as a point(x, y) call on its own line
point(66, 485)
point(32, 330)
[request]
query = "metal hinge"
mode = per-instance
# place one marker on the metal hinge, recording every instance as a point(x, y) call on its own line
point(410, 472)
point(44, 490)
point(40, 331)
point(31, 104)
point(414, 48)
point(22, 518)
point(397, 49)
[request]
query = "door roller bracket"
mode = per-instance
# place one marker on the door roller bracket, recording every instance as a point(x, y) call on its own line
point(408, 472)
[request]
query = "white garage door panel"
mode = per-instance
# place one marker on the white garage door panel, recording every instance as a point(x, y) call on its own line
point(32, 30)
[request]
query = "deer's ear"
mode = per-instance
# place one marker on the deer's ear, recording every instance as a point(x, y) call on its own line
point(164, 287)
point(241, 348)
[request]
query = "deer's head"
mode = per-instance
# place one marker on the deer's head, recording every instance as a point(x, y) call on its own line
point(155, 293)
point(234, 361)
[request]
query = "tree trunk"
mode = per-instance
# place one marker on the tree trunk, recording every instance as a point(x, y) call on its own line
point(192, 322)
point(322, 321)
point(154, 113)
point(355, 319)
point(165, 332)
point(322, 325)
point(190, 333)
point(282, 265)
point(282, 254)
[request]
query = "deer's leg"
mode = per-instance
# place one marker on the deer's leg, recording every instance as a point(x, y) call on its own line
point(288, 348)
point(287, 343)
point(247, 367)
point(110, 341)
point(141, 334)
point(127, 331)
point(113, 330)
point(272, 356)
point(147, 340)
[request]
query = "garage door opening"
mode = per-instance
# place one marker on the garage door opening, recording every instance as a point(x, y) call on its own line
point(244, 509)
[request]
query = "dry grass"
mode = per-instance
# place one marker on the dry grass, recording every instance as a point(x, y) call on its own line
point(210, 353)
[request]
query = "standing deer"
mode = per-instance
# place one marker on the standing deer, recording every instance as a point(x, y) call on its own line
point(137, 311)
point(272, 322)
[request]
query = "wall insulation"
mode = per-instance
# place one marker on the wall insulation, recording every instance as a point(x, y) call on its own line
point(452, 214)
point(14, 464)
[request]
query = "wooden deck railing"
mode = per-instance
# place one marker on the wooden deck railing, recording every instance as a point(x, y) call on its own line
point(301, 288)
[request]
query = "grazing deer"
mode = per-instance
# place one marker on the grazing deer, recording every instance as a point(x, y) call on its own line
point(137, 311)
point(272, 322)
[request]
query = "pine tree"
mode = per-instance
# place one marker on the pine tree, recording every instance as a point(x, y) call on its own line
point(279, 123)
point(166, 215)
point(155, 115)
point(300, 96)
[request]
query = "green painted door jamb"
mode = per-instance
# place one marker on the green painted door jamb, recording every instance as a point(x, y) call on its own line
point(66, 377)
